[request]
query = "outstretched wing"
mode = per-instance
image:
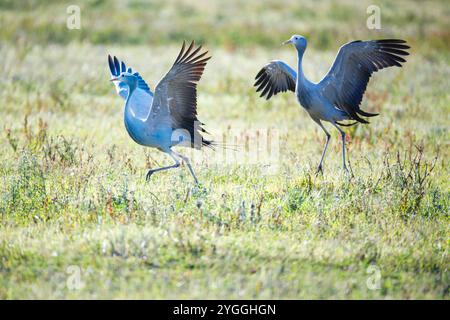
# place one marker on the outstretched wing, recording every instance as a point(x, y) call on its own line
point(275, 77)
point(346, 81)
point(142, 98)
point(176, 93)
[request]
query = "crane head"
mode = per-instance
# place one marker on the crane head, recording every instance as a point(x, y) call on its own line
point(298, 41)
point(126, 77)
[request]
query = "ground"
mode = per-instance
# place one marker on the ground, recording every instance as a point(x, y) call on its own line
point(78, 219)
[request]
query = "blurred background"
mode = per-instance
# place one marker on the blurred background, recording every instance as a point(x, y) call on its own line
point(230, 24)
point(72, 182)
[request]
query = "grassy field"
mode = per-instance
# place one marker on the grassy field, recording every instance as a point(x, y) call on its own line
point(78, 219)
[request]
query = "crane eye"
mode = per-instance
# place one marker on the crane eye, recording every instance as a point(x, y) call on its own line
point(122, 76)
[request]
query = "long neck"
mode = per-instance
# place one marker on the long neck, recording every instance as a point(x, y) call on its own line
point(128, 111)
point(300, 75)
point(130, 119)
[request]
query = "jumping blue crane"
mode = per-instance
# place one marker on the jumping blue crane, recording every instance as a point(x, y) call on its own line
point(168, 117)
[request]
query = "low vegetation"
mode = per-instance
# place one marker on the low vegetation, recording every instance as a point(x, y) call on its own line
point(78, 220)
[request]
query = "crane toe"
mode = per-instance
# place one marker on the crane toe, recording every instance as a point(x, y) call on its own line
point(319, 170)
point(149, 174)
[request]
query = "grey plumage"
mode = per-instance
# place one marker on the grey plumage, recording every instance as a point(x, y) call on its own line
point(337, 97)
point(346, 81)
point(167, 118)
point(275, 77)
point(176, 93)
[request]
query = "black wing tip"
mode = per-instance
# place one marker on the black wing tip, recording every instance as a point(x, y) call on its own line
point(189, 56)
point(208, 143)
point(265, 83)
point(201, 56)
point(347, 124)
point(393, 50)
point(213, 145)
point(260, 73)
point(259, 79)
point(391, 40)
point(183, 46)
point(367, 114)
point(353, 114)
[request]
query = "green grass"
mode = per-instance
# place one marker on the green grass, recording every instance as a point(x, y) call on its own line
point(72, 183)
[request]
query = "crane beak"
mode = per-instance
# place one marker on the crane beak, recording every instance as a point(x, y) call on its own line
point(287, 42)
point(114, 79)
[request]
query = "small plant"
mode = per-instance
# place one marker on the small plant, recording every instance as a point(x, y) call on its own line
point(60, 150)
point(35, 139)
point(27, 193)
point(13, 141)
point(410, 177)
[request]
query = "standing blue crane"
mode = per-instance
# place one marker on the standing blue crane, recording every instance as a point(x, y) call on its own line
point(338, 95)
point(168, 117)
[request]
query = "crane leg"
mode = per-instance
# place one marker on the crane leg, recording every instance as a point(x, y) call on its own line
point(152, 171)
point(343, 145)
point(319, 168)
point(185, 159)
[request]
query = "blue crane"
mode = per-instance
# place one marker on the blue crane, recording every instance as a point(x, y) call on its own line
point(338, 95)
point(167, 117)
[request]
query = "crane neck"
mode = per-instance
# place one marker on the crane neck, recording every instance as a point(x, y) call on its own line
point(128, 111)
point(300, 75)
point(132, 122)
point(131, 87)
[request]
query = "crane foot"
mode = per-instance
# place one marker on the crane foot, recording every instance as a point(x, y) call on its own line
point(319, 170)
point(149, 174)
